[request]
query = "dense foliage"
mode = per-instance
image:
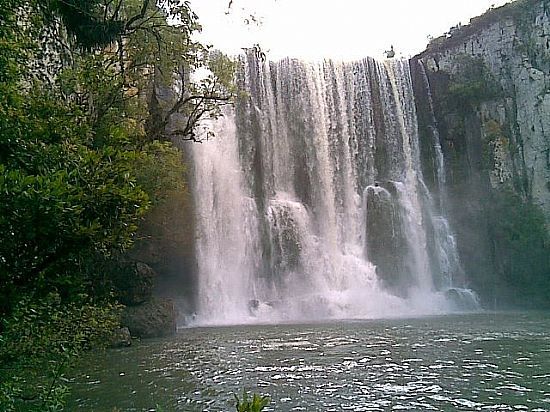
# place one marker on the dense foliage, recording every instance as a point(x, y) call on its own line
point(84, 154)
point(522, 244)
point(42, 338)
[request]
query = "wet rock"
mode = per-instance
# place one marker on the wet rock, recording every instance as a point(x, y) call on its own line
point(134, 282)
point(462, 299)
point(152, 319)
point(512, 43)
point(386, 242)
point(121, 338)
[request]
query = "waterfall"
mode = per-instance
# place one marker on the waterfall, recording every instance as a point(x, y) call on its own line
point(452, 273)
point(434, 130)
point(310, 200)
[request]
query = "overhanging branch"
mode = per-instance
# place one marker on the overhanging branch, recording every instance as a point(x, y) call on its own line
point(139, 16)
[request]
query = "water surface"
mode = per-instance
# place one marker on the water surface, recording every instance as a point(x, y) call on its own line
point(470, 362)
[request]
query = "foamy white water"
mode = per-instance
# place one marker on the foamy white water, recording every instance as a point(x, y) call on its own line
point(311, 203)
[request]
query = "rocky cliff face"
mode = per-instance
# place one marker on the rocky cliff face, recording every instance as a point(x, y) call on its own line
point(488, 107)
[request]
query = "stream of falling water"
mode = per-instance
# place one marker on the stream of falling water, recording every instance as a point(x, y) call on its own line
point(310, 199)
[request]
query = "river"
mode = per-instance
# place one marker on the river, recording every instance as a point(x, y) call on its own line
point(469, 362)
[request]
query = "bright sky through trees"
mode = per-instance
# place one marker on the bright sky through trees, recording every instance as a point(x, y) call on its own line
point(343, 29)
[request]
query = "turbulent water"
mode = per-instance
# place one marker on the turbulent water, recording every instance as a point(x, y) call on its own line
point(311, 203)
point(480, 362)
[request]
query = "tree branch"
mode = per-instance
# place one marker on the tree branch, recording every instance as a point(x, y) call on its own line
point(139, 16)
point(117, 10)
point(106, 11)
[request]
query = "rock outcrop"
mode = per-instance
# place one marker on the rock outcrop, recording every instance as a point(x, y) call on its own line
point(513, 44)
point(121, 338)
point(489, 101)
point(152, 319)
point(133, 282)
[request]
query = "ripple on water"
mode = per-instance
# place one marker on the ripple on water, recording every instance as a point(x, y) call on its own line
point(458, 363)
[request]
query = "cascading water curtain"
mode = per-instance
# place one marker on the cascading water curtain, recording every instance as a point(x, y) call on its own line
point(311, 200)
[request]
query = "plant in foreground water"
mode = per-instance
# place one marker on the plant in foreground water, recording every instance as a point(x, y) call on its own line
point(255, 404)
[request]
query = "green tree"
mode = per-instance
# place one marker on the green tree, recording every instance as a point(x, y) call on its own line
point(69, 150)
point(84, 155)
point(146, 43)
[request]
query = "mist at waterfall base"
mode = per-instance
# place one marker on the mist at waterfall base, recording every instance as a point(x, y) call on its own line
point(311, 204)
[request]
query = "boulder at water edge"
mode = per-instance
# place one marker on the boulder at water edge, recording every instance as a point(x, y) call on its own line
point(152, 319)
point(121, 338)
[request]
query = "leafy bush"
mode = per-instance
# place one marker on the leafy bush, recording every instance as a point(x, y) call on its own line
point(522, 249)
point(40, 340)
point(79, 171)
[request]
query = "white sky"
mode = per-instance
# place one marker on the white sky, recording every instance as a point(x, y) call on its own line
point(339, 29)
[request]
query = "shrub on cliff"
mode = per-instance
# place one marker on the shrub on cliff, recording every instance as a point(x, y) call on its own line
point(471, 84)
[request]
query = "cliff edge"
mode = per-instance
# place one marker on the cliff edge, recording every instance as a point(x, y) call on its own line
point(485, 89)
